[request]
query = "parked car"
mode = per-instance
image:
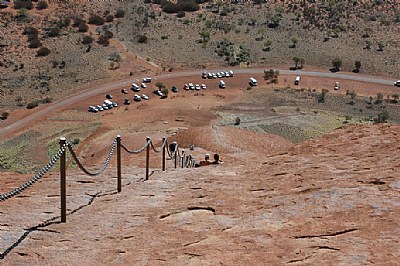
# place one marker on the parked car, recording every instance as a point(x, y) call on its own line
point(191, 86)
point(214, 75)
point(146, 80)
point(197, 88)
point(204, 74)
point(109, 96)
point(137, 98)
point(125, 91)
point(210, 75)
point(230, 73)
point(93, 109)
point(114, 104)
point(397, 83)
point(203, 86)
point(297, 80)
point(185, 87)
point(127, 101)
point(253, 82)
point(337, 86)
point(174, 89)
point(222, 84)
point(100, 108)
point(145, 97)
point(143, 85)
point(105, 107)
point(135, 87)
point(158, 93)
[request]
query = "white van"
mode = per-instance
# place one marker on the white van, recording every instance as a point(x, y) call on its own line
point(297, 80)
point(222, 84)
point(253, 82)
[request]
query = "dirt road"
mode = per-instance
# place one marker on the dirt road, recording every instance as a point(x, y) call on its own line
point(77, 97)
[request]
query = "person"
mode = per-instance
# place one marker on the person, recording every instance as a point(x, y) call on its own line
point(205, 162)
point(216, 159)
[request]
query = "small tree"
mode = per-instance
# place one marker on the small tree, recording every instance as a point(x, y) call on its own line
point(159, 85)
point(35, 43)
point(382, 117)
point(323, 96)
point(368, 44)
point(43, 51)
point(395, 98)
point(337, 63)
point(294, 42)
point(380, 46)
point(109, 18)
point(83, 27)
point(267, 45)
point(296, 62)
point(142, 39)
point(237, 121)
point(357, 65)
point(96, 20)
point(379, 98)
point(165, 92)
point(4, 115)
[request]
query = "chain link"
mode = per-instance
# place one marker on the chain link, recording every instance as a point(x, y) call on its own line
point(135, 151)
point(161, 148)
point(103, 167)
point(36, 177)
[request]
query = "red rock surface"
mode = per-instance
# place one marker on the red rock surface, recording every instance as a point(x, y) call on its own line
point(332, 200)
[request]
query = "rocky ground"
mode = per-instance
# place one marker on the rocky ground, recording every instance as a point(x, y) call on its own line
point(335, 198)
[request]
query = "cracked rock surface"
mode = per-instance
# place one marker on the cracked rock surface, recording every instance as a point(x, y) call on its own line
point(332, 199)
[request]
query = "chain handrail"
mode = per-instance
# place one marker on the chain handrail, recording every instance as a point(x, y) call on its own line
point(36, 177)
point(161, 147)
point(102, 168)
point(135, 151)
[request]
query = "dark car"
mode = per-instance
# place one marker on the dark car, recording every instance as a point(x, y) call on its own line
point(127, 101)
point(109, 96)
point(174, 89)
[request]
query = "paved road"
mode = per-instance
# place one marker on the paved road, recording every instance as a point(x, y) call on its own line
point(72, 99)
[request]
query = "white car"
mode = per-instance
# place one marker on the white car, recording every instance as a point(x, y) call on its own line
point(100, 108)
point(145, 97)
point(210, 75)
point(197, 88)
point(227, 74)
point(186, 87)
point(203, 86)
point(397, 83)
point(337, 86)
point(135, 87)
point(93, 109)
point(159, 93)
point(137, 98)
point(222, 84)
point(231, 73)
point(191, 86)
point(214, 75)
point(143, 85)
point(146, 80)
point(114, 104)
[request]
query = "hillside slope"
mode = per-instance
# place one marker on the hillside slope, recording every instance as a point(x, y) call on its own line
point(335, 198)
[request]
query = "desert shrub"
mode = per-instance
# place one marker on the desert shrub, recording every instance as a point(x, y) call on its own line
point(109, 18)
point(96, 20)
point(53, 32)
point(4, 115)
point(30, 31)
point(142, 39)
point(83, 27)
point(237, 121)
point(19, 4)
point(77, 21)
point(223, 13)
point(382, 117)
point(182, 5)
point(35, 43)
point(120, 13)
point(103, 40)
point(64, 22)
point(43, 51)
point(181, 14)
point(87, 39)
point(147, 1)
point(108, 34)
point(42, 5)
point(32, 37)
point(32, 104)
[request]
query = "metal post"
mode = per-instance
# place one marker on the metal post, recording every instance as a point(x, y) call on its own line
point(183, 157)
point(63, 192)
point(119, 182)
point(163, 154)
point(147, 157)
point(176, 153)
